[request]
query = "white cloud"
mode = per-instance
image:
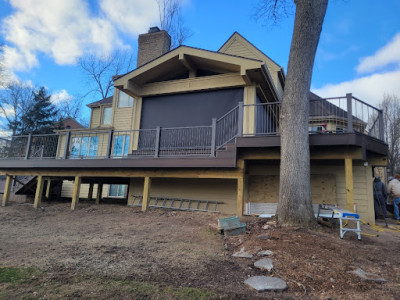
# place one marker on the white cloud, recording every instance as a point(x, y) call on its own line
point(132, 17)
point(369, 88)
point(387, 55)
point(61, 96)
point(63, 30)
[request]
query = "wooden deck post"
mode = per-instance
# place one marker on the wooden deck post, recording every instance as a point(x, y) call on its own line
point(146, 193)
point(99, 192)
point(7, 190)
point(48, 188)
point(348, 166)
point(90, 193)
point(240, 189)
point(39, 192)
point(75, 194)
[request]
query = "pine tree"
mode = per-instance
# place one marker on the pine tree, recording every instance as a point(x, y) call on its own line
point(41, 117)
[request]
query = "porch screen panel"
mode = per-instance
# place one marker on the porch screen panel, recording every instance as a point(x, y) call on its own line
point(191, 109)
point(186, 110)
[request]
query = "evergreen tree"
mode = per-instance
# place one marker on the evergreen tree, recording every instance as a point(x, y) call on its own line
point(41, 116)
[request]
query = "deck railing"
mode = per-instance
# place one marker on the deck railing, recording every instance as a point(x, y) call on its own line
point(326, 116)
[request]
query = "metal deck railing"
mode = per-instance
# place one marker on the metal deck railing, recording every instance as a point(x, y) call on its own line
point(326, 116)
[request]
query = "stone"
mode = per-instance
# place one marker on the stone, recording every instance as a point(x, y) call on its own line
point(264, 264)
point(265, 283)
point(264, 236)
point(265, 253)
point(368, 276)
point(242, 254)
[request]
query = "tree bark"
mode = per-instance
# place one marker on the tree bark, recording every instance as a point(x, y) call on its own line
point(295, 206)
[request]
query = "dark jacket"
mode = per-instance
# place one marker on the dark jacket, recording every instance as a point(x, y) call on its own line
point(379, 188)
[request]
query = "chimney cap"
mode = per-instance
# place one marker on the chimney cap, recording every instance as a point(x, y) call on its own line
point(154, 29)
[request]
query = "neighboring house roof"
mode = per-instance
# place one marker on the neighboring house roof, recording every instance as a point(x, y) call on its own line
point(71, 123)
point(104, 101)
point(320, 107)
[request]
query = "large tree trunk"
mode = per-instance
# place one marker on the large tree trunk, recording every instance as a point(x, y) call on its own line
point(295, 207)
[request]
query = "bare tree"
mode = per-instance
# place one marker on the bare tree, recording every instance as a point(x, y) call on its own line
point(171, 21)
point(15, 101)
point(100, 70)
point(391, 124)
point(295, 206)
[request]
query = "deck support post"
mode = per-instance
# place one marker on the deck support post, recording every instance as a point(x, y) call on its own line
point(99, 192)
point(146, 193)
point(48, 188)
point(75, 194)
point(90, 193)
point(7, 190)
point(240, 189)
point(39, 192)
point(348, 166)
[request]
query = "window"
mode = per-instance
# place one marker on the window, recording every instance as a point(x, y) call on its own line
point(121, 145)
point(107, 115)
point(315, 128)
point(117, 190)
point(84, 146)
point(124, 100)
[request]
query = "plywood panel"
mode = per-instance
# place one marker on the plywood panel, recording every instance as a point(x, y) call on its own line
point(265, 189)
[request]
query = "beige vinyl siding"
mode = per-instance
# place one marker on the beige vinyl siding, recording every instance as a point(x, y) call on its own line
point(197, 189)
point(68, 187)
point(95, 120)
point(240, 47)
point(328, 185)
point(123, 116)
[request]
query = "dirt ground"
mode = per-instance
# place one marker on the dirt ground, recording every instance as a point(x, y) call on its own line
point(95, 252)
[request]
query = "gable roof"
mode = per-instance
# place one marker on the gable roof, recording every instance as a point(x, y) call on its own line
point(246, 48)
point(104, 101)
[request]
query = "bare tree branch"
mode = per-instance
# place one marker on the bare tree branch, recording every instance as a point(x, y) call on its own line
point(171, 20)
point(391, 119)
point(100, 70)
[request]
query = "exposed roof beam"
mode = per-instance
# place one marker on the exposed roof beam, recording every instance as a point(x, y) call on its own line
point(188, 63)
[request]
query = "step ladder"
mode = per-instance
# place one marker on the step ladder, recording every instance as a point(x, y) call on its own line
point(178, 203)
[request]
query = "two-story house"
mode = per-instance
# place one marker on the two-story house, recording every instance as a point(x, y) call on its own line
point(199, 130)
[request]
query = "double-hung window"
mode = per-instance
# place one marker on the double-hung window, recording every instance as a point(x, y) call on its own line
point(124, 100)
point(84, 146)
point(117, 190)
point(121, 145)
point(107, 115)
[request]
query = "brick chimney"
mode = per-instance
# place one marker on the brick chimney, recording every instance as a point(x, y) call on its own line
point(152, 45)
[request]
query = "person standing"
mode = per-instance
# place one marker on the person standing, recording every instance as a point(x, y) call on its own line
point(393, 190)
point(380, 196)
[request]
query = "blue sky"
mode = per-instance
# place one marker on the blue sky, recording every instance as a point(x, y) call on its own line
point(359, 49)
